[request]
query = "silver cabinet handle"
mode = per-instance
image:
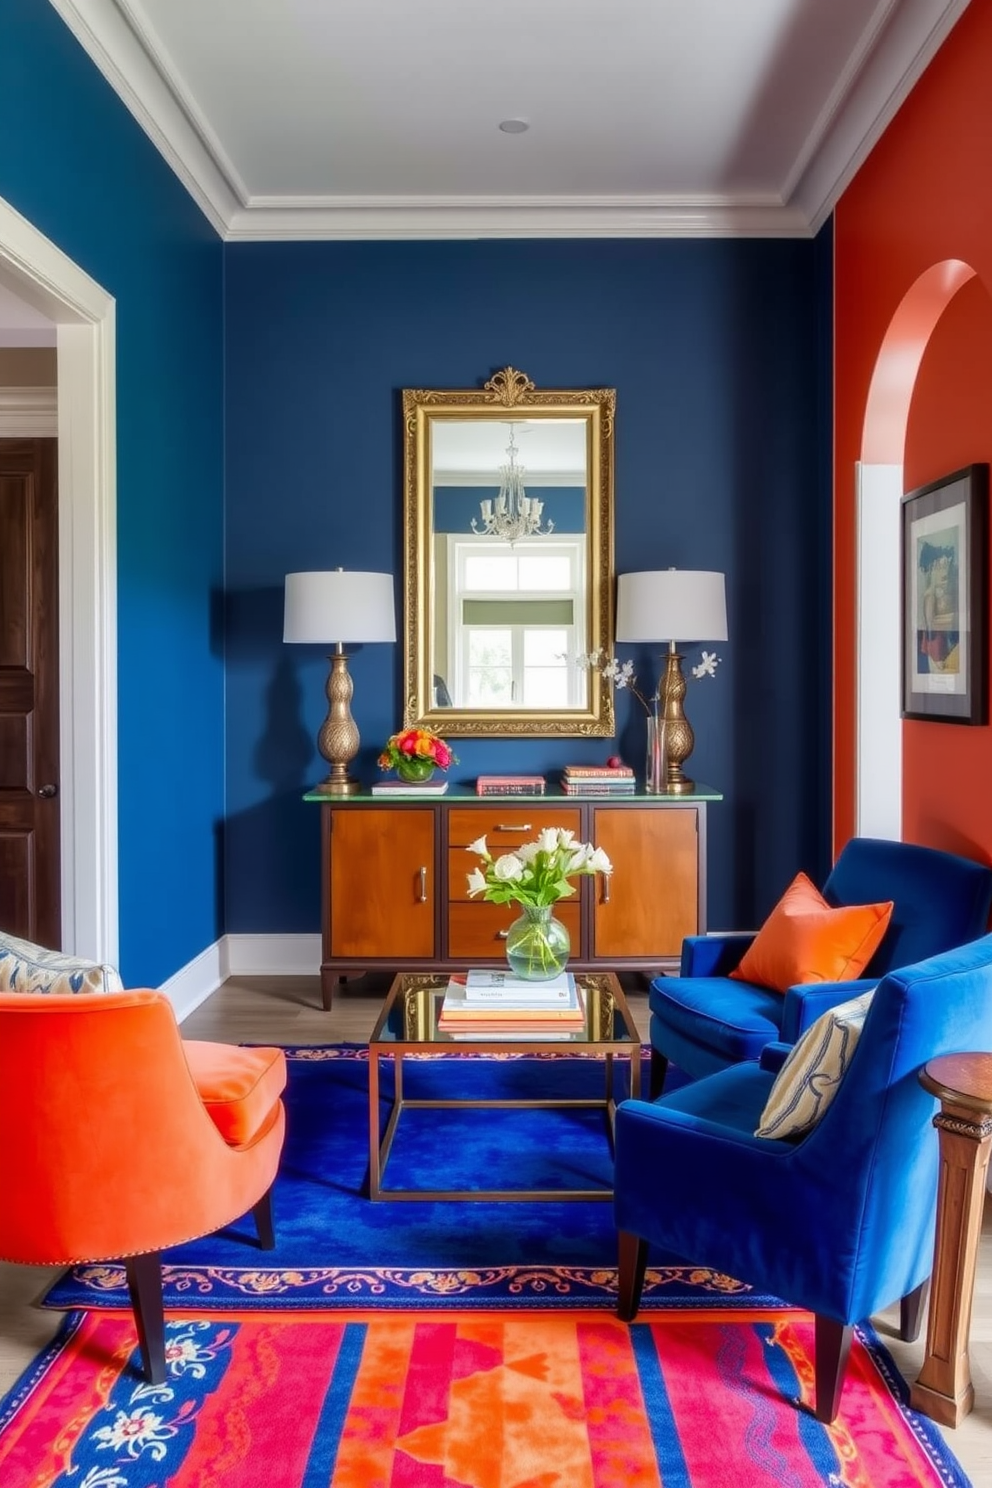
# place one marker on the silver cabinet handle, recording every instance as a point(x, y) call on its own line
point(423, 885)
point(502, 934)
point(511, 827)
point(606, 888)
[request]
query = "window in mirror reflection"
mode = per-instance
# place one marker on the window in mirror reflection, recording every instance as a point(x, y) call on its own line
point(515, 623)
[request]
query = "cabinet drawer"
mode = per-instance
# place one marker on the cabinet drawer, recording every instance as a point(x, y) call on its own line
point(506, 823)
point(474, 930)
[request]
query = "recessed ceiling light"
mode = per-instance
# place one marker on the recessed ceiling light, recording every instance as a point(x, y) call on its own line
point(514, 126)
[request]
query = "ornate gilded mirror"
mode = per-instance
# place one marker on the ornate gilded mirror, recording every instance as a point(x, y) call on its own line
point(508, 557)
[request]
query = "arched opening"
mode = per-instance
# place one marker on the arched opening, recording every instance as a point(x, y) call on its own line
point(879, 476)
point(84, 314)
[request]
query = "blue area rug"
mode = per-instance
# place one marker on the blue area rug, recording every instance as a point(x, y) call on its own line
point(335, 1248)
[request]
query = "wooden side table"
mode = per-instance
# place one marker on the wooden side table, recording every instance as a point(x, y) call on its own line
point(963, 1084)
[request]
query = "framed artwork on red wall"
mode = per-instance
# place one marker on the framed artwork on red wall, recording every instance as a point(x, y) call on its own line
point(945, 617)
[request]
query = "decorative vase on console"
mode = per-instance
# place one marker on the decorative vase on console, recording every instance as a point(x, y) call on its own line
point(415, 754)
point(656, 764)
point(415, 770)
point(536, 876)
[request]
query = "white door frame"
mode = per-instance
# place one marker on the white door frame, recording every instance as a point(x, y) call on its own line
point(84, 314)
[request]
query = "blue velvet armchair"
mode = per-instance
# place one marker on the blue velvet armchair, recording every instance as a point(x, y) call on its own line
point(839, 1222)
point(702, 1020)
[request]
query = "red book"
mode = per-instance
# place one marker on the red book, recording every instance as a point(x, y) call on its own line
point(510, 785)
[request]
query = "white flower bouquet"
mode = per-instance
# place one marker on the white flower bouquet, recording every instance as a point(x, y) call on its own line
point(538, 873)
point(536, 876)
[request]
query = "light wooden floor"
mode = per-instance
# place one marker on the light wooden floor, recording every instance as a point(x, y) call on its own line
point(287, 1011)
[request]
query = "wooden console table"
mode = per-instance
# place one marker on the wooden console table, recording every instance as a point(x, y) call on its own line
point(394, 874)
point(963, 1084)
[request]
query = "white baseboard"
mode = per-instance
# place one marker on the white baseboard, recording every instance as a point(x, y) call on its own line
point(193, 983)
point(271, 955)
point(240, 955)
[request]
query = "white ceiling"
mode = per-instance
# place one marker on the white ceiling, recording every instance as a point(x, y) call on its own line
point(20, 325)
point(466, 451)
point(379, 118)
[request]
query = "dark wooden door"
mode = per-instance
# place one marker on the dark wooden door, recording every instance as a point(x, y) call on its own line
point(30, 872)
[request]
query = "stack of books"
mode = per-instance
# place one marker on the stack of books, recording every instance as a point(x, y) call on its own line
point(482, 1003)
point(598, 780)
point(510, 785)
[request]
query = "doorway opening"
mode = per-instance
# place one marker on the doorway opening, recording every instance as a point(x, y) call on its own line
point(879, 476)
point(43, 276)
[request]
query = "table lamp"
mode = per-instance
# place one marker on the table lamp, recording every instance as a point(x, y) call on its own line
point(336, 607)
point(673, 604)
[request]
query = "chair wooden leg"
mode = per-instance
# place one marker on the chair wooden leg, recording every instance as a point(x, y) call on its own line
point(144, 1283)
point(263, 1221)
point(659, 1068)
point(911, 1312)
point(833, 1344)
point(633, 1263)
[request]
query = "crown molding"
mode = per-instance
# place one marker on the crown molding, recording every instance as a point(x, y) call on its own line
point(900, 41)
point(265, 219)
point(28, 412)
point(875, 88)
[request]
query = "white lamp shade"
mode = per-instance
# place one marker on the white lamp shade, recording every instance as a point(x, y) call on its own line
point(324, 608)
point(671, 604)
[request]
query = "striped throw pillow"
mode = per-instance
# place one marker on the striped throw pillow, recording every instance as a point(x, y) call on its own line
point(812, 1072)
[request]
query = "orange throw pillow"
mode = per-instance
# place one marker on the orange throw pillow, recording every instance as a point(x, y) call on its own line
point(805, 940)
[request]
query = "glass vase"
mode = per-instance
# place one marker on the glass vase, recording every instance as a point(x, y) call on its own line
point(656, 764)
point(537, 945)
point(415, 769)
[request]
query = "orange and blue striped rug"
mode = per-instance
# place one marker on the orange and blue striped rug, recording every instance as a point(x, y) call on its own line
point(531, 1399)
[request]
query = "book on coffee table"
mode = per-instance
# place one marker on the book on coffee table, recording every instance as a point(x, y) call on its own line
point(488, 987)
point(509, 1009)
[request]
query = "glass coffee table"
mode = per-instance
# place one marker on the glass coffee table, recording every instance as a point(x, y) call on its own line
point(407, 1025)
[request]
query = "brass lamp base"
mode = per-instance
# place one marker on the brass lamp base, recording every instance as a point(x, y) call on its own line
point(682, 786)
point(338, 739)
point(338, 786)
point(679, 738)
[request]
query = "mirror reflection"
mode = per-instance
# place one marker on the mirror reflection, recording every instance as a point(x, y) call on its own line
point(509, 557)
point(509, 535)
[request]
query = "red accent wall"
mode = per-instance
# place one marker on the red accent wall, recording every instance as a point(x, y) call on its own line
point(922, 196)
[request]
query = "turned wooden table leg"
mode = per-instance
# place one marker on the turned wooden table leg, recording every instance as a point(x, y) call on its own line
point(963, 1083)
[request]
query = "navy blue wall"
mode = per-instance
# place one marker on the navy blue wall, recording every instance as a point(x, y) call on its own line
point(75, 163)
point(717, 354)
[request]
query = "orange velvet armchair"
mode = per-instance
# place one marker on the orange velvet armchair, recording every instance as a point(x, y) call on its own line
point(118, 1139)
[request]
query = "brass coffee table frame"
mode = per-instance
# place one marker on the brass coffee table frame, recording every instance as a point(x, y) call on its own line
point(408, 1025)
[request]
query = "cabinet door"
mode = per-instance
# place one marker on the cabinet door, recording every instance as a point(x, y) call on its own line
point(651, 899)
point(381, 883)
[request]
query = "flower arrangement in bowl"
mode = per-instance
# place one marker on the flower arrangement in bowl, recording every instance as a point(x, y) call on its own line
point(415, 753)
point(536, 876)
